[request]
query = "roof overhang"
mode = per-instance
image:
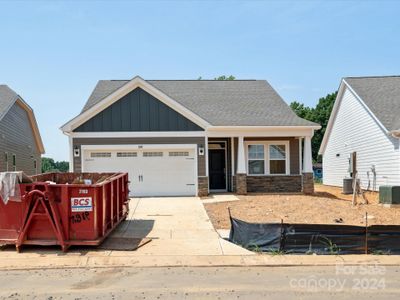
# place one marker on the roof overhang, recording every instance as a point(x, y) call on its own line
point(342, 88)
point(136, 82)
point(262, 131)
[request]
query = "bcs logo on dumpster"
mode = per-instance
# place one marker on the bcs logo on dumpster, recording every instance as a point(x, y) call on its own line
point(81, 204)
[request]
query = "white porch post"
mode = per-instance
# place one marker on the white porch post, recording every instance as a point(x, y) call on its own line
point(307, 161)
point(241, 163)
point(241, 177)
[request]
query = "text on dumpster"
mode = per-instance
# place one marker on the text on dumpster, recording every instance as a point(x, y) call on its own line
point(81, 204)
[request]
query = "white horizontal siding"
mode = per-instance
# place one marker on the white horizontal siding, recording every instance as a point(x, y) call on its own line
point(355, 129)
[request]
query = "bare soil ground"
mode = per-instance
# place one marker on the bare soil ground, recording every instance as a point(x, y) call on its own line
point(324, 207)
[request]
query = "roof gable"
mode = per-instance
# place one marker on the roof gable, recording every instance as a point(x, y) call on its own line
point(100, 103)
point(8, 98)
point(138, 111)
point(219, 103)
point(381, 95)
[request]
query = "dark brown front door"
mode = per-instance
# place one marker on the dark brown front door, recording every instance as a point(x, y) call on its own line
point(216, 169)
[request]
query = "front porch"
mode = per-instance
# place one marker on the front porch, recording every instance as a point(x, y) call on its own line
point(258, 164)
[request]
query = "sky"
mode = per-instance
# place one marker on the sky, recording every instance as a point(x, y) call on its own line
point(52, 53)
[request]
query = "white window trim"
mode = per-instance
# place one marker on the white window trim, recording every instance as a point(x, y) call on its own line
point(266, 156)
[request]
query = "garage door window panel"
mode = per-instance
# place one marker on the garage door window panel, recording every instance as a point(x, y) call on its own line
point(100, 154)
point(152, 154)
point(126, 154)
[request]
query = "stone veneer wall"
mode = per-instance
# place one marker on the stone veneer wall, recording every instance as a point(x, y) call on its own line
point(274, 184)
point(308, 183)
point(202, 186)
point(241, 184)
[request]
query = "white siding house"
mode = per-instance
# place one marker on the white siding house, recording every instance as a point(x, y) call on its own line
point(364, 120)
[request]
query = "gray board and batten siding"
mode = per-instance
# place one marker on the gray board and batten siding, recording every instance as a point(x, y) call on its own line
point(138, 111)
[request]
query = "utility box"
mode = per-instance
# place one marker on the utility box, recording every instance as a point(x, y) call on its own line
point(389, 194)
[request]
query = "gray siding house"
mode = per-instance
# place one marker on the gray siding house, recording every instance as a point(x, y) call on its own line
point(21, 146)
point(192, 137)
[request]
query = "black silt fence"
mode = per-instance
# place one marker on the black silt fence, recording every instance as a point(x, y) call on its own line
point(315, 238)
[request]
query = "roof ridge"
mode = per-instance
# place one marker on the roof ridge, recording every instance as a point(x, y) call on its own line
point(377, 76)
point(184, 80)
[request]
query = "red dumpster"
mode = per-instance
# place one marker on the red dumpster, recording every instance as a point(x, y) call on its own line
point(65, 209)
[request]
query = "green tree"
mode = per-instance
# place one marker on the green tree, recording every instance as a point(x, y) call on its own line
point(222, 77)
point(62, 166)
point(49, 165)
point(319, 114)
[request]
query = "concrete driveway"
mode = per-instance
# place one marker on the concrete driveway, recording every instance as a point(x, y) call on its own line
point(177, 226)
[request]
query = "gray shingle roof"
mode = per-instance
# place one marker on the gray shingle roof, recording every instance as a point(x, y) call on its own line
point(7, 99)
point(382, 96)
point(220, 103)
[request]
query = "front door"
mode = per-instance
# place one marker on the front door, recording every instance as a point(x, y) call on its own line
point(216, 169)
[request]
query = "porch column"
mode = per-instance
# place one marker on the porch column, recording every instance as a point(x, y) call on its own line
point(308, 175)
point(241, 165)
point(241, 178)
point(307, 161)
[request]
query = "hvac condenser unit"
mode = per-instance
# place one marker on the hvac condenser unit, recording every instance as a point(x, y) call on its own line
point(347, 186)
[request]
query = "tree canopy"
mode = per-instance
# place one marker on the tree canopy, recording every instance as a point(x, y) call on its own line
point(318, 114)
point(49, 165)
point(222, 77)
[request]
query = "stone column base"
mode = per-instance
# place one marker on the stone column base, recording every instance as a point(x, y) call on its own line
point(241, 184)
point(202, 187)
point(308, 183)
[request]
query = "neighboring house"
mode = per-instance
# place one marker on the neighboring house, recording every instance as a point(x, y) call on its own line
point(21, 146)
point(365, 119)
point(189, 137)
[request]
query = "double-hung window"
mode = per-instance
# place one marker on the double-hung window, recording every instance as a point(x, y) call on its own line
point(256, 159)
point(277, 159)
point(267, 158)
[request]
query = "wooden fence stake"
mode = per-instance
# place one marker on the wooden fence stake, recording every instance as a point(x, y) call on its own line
point(366, 232)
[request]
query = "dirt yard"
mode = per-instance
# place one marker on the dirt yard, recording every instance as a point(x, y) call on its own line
point(324, 207)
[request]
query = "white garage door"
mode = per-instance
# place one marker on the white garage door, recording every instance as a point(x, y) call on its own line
point(152, 172)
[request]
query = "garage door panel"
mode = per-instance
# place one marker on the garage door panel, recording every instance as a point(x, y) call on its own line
point(155, 172)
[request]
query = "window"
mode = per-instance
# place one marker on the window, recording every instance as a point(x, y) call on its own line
point(268, 158)
point(100, 154)
point(126, 154)
point(152, 154)
point(277, 159)
point(179, 153)
point(6, 160)
point(256, 159)
point(14, 162)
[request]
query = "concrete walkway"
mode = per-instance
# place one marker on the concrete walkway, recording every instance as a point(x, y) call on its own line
point(177, 226)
